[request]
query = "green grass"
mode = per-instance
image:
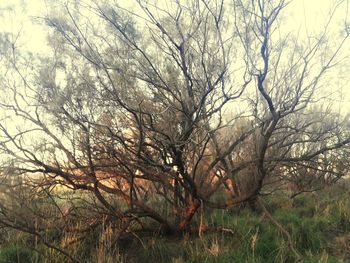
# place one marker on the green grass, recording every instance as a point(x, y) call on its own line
point(15, 254)
point(318, 223)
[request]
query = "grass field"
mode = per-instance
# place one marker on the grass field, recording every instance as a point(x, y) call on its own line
point(319, 224)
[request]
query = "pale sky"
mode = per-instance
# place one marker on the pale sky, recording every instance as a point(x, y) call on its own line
point(304, 16)
point(19, 15)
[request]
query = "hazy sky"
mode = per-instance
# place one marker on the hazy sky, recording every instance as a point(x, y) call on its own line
point(304, 16)
point(19, 14)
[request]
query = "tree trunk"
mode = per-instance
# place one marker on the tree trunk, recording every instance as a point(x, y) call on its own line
point(189, 213)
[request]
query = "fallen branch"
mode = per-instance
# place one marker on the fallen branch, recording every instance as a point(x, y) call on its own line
point(282, 229)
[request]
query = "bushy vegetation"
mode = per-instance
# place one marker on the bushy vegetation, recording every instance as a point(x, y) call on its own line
point(151, 113)
point(198, 131)
point(319, 224)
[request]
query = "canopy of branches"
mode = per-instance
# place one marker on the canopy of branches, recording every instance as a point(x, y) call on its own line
point(156, 110)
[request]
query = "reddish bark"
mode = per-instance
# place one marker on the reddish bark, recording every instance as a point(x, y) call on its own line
point(189, 213)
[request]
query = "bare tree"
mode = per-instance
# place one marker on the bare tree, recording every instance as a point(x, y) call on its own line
point(153, 112)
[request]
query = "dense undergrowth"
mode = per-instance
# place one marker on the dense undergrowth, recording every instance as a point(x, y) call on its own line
point(319, 224)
